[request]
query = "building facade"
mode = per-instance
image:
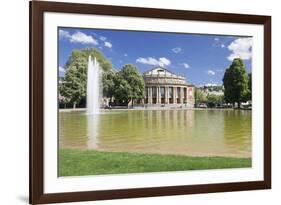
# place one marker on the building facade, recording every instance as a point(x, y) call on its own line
point(166, 89)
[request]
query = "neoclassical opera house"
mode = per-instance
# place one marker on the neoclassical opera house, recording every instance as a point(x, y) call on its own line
point(166, 89)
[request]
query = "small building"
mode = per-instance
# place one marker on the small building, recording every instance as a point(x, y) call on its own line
point(165, 88)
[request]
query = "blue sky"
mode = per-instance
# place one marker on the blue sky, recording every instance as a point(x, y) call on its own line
point(202, 59)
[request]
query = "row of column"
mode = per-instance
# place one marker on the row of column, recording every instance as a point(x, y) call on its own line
point(181, 97)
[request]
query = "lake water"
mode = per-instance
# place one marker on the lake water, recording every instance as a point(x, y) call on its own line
point(182, 132)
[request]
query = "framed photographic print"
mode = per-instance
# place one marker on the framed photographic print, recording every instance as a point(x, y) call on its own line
point(137, 102)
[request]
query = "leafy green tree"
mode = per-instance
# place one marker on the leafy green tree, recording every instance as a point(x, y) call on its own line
point(131, 74)
point(129, 84)
point(200, 96)
point(235, 82)
point(249, 96)
point(123, 90)
point(95, 53)
point(108, 84)
point(213, 99)
point(74, 86)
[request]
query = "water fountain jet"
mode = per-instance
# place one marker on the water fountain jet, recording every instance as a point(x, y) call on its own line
point(93, 87)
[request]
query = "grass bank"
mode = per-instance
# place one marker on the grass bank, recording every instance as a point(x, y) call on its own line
point(79, 163)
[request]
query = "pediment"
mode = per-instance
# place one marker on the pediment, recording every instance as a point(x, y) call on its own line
point(159, 71)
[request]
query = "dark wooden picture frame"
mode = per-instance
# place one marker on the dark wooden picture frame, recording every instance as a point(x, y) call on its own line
point(37, 9)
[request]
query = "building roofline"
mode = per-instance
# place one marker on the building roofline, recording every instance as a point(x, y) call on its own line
point(158, 67)
point(187, 82)
point(163, 69)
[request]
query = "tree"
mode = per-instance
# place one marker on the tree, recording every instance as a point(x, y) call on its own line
point(123, 90)
point(249, 96)
point(213, 99)
point(74, 86)
point(200, 96)
point(129, 84)
point(95, 53)
point(108, 84)
point(235, 82)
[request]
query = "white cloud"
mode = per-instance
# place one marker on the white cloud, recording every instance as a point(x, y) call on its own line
point(177, 50)
point(125, 54)
point(80, 37)
point(218, 43)
point(149, 60)
point(152, 61)
point(64, 34)
point(211, 72)
point(164, 61)
point(240, 48)
point(61, 69)
point(185, 65)
point(107, 44)
point(102, 38)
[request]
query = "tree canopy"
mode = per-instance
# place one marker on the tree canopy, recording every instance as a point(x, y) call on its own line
point(213, 99)
point(235, 82)
point(200, 96)
point(205, 97)
point(108, 83)
point(85, 53)
point(74, 83)
point(129, 84)
point(249, 96)
point(73, 86)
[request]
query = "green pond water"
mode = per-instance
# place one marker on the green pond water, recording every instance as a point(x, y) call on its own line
point(182, 132)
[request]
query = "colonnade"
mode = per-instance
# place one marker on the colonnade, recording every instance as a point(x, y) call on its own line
point(168, 94)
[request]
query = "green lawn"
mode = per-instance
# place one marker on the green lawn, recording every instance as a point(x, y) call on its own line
point(79, 163)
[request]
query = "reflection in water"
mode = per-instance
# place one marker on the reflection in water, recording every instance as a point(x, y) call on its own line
point(183, 132)
point(93, 131)
point(235, 125)
point(73, 130)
